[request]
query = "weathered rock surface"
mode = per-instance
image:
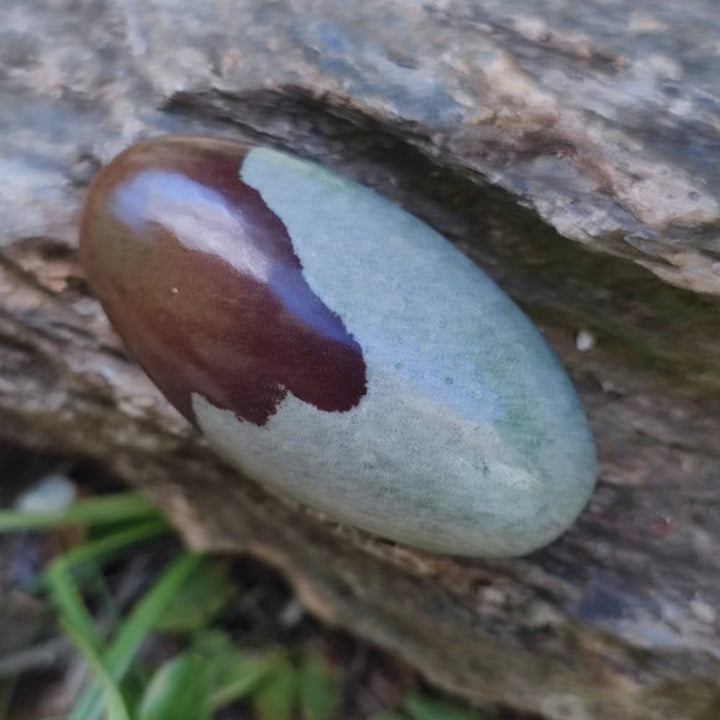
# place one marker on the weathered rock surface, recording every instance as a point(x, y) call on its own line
point(574, 153)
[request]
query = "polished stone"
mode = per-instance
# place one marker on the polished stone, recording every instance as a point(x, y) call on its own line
point(335, 348)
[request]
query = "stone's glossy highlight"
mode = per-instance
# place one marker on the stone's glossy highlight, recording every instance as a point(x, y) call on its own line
point(336, 348)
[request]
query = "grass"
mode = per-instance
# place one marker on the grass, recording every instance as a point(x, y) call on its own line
point(211, 671)
point(108, 510)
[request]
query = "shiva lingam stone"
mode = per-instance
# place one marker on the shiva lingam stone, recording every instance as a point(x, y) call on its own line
point(335, 348)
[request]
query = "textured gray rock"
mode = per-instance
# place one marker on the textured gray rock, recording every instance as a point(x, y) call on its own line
point(604, 120)
point(569, 149)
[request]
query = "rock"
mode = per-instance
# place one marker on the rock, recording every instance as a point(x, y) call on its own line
point(336, 348)
point(51, 495)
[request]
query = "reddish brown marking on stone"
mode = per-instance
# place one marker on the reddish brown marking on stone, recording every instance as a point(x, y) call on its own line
point(161, 226)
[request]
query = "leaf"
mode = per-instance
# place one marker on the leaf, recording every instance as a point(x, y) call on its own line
point(386, 716)
point(275, 699)
point(213, 645)
point(179, 690)
point(240, 677)
point(421, 707)
point(318, 688)
point(199, 600)
point(233, 673)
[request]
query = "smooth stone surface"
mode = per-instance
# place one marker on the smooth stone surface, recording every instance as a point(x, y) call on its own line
point(51, 495)
point(337, 349)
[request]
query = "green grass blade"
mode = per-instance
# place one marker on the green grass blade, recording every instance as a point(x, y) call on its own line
point(136, 627)
point(145, 616)
point(73, 612)
point(98, 551)
point(114, 703)
point(319, 688)
point(116, 508)
point(275, 698)
point(232, 673)
point(240, 677)
point(64, 589)
point(199, 601)
point(179, 690)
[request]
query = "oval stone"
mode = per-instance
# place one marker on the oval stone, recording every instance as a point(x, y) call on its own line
point(336, 348)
